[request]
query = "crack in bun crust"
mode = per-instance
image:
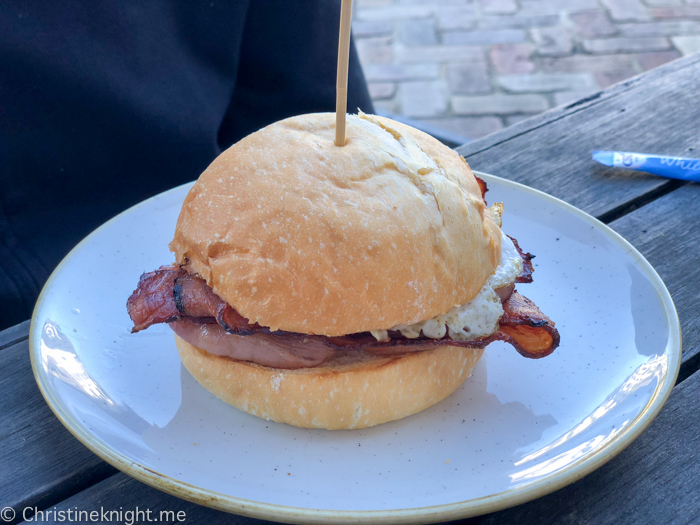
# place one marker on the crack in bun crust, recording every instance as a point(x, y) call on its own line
point(342, 394)
point(300, 235)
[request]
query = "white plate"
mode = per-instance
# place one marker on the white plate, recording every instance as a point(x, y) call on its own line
point(516, 430)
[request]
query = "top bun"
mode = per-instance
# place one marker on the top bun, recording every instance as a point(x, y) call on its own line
point(300, 235)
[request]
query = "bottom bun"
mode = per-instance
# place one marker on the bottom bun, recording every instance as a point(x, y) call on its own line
point(343, 393)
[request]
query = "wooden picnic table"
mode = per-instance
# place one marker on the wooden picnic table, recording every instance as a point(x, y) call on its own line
point(655, 480)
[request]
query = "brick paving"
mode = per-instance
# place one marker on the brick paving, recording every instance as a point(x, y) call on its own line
point(473, 67)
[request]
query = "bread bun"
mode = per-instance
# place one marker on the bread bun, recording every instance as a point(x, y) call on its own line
point(340, 394)
point(300, 235)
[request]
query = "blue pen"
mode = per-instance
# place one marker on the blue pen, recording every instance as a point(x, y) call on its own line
point(672, 167)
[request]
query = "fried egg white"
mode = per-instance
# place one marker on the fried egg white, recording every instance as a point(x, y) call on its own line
point(477, 318)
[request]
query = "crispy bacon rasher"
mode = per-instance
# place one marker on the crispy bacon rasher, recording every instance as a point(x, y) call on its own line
point(171, 294)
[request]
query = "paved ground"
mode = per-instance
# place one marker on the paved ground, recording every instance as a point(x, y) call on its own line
point(475, 66)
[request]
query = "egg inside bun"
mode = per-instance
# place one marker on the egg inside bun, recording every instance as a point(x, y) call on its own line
point(339, 287)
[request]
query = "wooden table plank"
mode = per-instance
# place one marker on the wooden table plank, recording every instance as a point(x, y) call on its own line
point(654, 481)
point(552, 152)
point(14, 334)
point(42, 463)
point(667, 233)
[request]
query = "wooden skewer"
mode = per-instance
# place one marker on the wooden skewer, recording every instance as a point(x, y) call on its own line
point(341, 88)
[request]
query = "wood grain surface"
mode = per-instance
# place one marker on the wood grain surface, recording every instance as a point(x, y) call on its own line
point(41, 462)
point(14, 334)
point(552, 152)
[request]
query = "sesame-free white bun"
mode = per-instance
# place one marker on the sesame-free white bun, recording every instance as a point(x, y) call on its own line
point(301, 235)
point(343, 393)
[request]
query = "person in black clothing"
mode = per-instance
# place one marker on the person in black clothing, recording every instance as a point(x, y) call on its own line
point(105, 104)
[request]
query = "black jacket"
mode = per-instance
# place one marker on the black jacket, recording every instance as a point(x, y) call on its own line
point(103, 104)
